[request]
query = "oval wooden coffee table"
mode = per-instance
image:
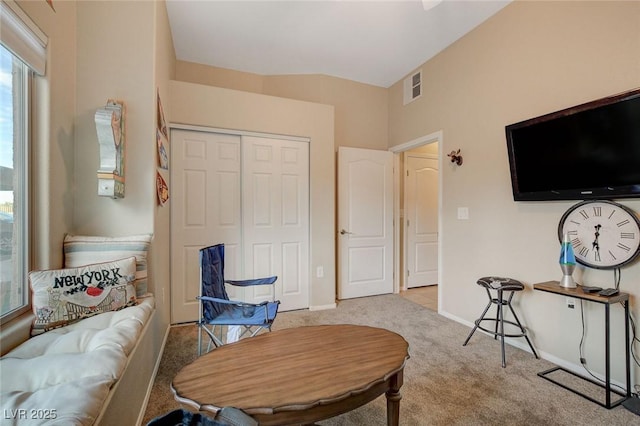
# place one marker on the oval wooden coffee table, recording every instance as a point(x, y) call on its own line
point(298, 375)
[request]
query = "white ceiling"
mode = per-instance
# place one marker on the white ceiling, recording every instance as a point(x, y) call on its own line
point(373, 42)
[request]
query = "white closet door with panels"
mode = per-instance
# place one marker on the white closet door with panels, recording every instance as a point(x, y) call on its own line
point(276, 217)
point(250, 193)
point(205, 209)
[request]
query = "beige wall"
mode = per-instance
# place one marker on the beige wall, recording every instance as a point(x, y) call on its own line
point(165, 60)
point(529, 59)
point(360, 109)
point(192, 72)
point(200, 105)
point(116, 64)
point(133, 64)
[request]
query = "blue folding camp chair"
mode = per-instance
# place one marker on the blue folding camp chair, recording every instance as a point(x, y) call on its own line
point(217, 311)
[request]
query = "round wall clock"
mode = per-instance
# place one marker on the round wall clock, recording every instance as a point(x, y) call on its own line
point(604, 234)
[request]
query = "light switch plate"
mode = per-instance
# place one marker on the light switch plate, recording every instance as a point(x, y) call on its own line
point(463, 213)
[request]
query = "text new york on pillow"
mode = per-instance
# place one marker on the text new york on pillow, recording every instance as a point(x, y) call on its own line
point(63, 296)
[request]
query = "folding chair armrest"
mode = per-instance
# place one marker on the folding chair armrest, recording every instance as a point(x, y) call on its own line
point(215, 299)
point(230, 302)
point(254, 281)
point(265, 305)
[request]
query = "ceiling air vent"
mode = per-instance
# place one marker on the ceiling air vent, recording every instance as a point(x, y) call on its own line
point(413, 87)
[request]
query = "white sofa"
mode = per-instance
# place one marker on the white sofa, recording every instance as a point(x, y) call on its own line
point(92, 372)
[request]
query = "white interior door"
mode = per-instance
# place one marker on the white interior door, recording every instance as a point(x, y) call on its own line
point(276, 218)
point(205, 210)
point(421, 212)
point(365, 222)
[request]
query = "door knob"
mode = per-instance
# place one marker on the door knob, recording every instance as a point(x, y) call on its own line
point(342, 232)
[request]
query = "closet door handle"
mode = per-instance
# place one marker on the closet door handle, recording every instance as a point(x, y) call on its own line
point(342, 232)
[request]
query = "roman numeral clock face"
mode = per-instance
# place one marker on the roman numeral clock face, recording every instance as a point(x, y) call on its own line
point(604, 234)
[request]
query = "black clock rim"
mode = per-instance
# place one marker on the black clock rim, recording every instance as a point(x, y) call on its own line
point(585, 202)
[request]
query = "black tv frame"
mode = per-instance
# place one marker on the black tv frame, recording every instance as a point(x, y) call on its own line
point(604, 192)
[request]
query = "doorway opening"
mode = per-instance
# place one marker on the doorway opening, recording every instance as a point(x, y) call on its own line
point(423, 257)
point(427, 297)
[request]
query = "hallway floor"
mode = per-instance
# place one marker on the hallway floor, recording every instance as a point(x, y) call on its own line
point(426, 296)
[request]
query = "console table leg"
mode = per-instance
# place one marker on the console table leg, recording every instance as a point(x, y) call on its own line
point(393, 399)
point(627, 347)
point(607, 356)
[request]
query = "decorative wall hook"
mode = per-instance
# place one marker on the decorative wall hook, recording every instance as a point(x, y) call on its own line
point(455, 157)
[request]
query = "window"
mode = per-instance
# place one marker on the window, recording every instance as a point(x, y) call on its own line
point(14, 136)
point(23, 54)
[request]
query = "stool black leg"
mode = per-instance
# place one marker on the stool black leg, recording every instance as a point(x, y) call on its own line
point(498, 309)
point(524, 332)
point(501, 303)
point(477, 322)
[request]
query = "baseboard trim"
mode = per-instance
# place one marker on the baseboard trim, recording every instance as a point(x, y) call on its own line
point(521, 344)
point(322, 307)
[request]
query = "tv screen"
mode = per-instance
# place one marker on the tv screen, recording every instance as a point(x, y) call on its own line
point(584, 152)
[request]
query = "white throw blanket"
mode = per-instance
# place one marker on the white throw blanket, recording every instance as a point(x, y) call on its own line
point(233, 333)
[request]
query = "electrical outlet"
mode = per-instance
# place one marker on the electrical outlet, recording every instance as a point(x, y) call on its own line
point(571, 302)
point(320, 272)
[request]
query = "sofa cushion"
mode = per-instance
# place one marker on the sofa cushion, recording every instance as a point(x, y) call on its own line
point(82, 250)
point(120, 329)
point(46, 370)
point(63, 296)
point(74, 403)
point(69, 371)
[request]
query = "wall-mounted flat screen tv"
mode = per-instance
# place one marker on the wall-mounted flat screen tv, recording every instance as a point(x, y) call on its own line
point(584, 152)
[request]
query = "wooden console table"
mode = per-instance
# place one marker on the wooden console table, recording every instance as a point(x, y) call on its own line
point(578, 293)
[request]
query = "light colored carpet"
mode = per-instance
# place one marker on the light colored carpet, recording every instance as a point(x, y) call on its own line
point(444, 382)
